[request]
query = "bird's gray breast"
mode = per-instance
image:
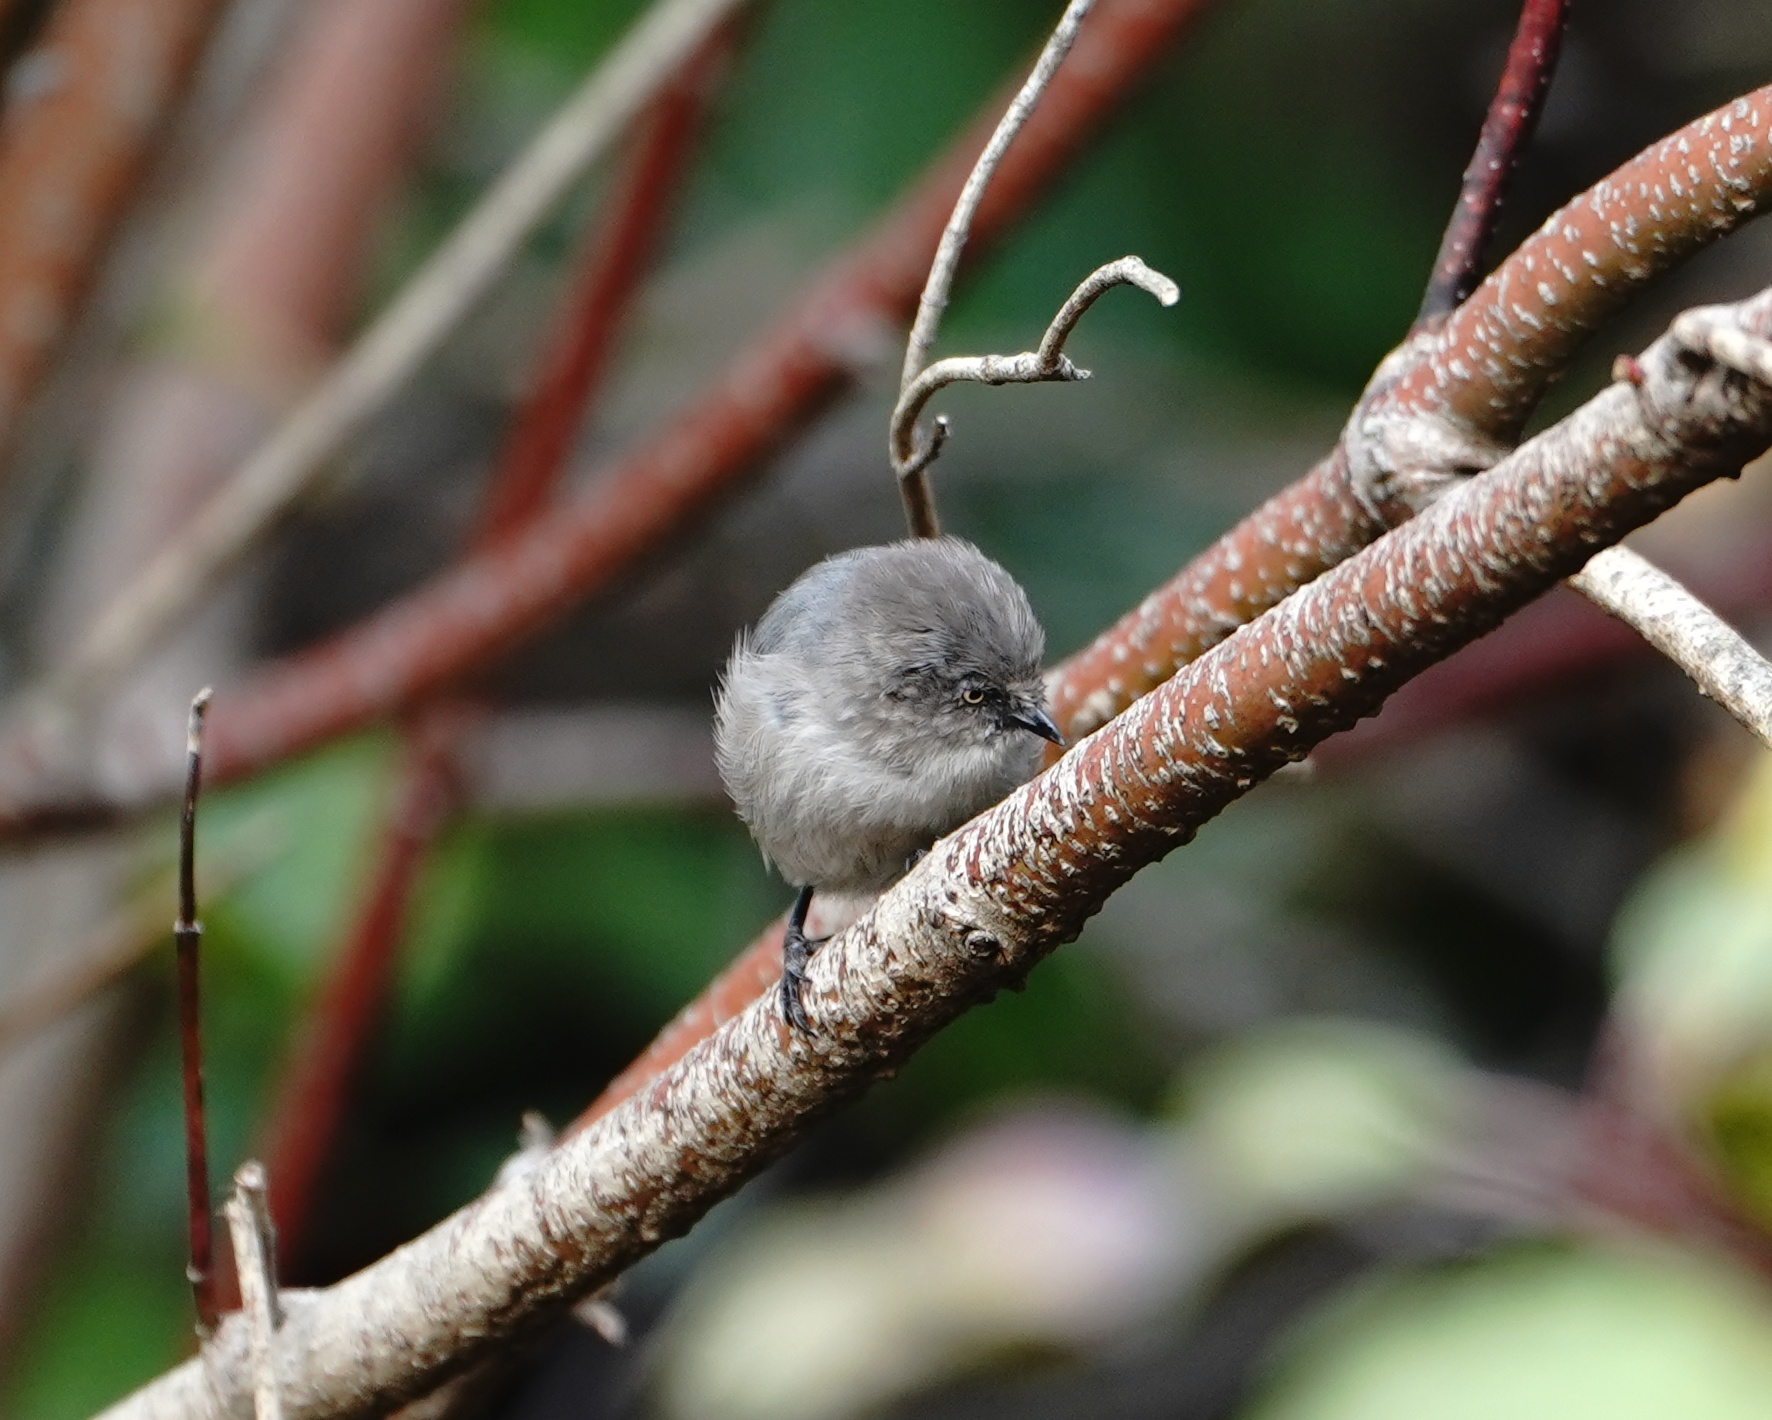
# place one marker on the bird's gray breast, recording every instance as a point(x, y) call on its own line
point(838, 799)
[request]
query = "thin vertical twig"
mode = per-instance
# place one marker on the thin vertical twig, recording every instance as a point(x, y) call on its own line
point(1507, 129)
point(909, 461)
point(188, 934)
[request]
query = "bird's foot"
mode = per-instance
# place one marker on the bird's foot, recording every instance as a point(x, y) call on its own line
point(796, 952)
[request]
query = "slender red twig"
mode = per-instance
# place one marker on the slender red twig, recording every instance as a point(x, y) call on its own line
point(71, 154)
point(188, 935)
point(334, 1036)
point(1507, 129)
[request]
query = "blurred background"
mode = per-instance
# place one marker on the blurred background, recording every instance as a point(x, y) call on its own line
point(1433, 1082)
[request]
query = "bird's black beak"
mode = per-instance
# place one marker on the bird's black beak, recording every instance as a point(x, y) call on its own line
point(1035, 719)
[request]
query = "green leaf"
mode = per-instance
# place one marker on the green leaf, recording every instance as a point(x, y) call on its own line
point(1540, 1334)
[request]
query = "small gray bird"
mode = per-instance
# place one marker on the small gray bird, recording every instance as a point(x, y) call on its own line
point(887, 696)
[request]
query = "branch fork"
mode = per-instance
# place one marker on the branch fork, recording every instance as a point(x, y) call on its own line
point(1401, 459)
point(911, 455)
point(1723, 665)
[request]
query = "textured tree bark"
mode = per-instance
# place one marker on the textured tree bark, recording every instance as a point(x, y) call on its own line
point(995, 897)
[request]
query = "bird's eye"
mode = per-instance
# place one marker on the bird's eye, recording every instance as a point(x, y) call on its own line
point(972, 696)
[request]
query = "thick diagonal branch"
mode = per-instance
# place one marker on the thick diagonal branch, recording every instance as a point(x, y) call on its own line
point(1330, 514)
point(992, 899)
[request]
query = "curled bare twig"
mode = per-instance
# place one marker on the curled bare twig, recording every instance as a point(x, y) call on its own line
point(934, 299)
point(914, 488)
point(910, 456)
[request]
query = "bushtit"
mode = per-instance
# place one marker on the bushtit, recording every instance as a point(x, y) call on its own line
point(887, 696)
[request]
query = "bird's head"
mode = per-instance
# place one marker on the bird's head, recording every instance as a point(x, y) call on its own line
point(954, 649)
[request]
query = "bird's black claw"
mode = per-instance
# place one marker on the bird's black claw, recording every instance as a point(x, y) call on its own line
point(791, 1005)
point(796, 951)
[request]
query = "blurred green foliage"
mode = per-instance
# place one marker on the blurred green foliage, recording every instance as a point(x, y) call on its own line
point(1694, 955)
point(1540, 1333)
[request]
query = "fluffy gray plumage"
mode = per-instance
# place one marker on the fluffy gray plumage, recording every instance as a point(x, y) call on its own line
point(887, 696)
